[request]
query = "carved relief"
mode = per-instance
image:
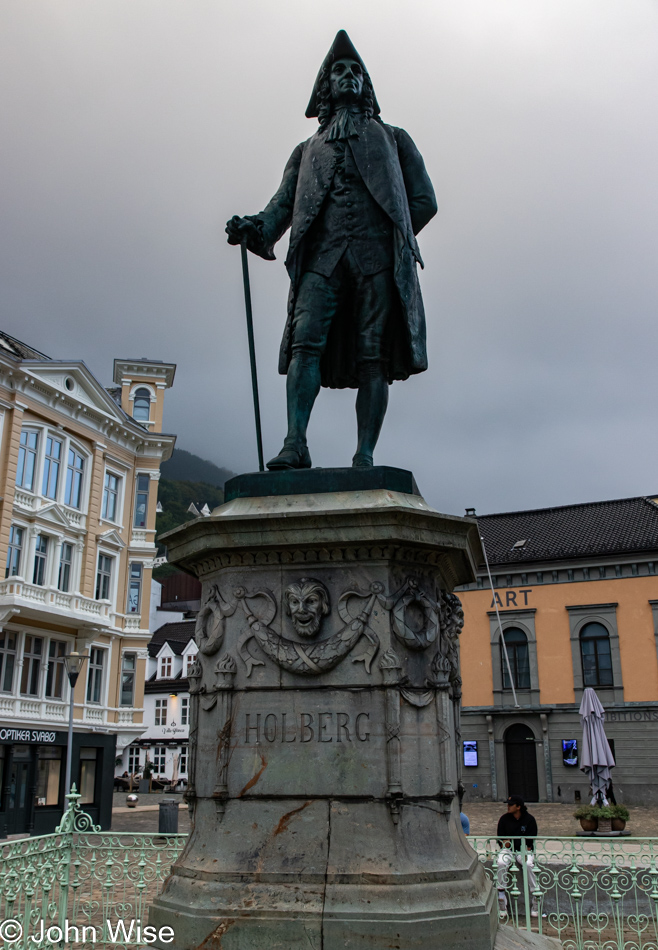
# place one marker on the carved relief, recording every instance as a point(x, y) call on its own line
point(302, 658)
point(391, 668)
point(306, 603)
point(211, 622)
point(393, 553)
point(414, 616)
point(194, 678)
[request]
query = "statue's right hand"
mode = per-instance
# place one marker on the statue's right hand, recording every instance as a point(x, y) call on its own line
point(241, 229)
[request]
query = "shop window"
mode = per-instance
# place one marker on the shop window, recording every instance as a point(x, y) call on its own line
point(141, 500)
point(40, 560)
point(133, 759)
point(182, 764)
point(134, 588)
point(95, 675)
point(128, 666)
point(51, 465)
point(142, 405)
point(74, 474)
point(185, 711)
point(595, 654)
point(160, 712)
point(7, 661)
point(49, 768)
point(56, 669)
point(65, 564)
point(519, 660)
point(159, 760)
point(88, 769)
point(110, 497)
point(165, 667)
point(14, 551)
point(27, 459)
point(103, 577)
point(32, 655)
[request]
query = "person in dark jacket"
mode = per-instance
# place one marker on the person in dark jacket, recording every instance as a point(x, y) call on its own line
point(513, 826)
point(355, 194)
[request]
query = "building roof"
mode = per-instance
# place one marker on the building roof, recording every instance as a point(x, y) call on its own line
point(623, 526)
point(24, 352)
point(177, 635)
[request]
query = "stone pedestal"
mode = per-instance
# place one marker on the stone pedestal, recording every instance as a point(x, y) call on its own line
point(324, 738)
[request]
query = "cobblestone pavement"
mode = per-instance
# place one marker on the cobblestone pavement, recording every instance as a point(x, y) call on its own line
point(551, 819)
point(556, 819)
point(144, 818)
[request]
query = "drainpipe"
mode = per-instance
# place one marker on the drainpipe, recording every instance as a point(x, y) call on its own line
point(547, 757)
point(492, 759)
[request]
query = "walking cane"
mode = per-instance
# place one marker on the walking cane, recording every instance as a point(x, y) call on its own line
point(252, 352)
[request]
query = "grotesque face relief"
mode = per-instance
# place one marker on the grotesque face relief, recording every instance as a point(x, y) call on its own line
point(346, 80)
point(306, 603)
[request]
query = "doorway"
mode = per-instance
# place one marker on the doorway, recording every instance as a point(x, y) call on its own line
point(18, 803)
point(521, 759)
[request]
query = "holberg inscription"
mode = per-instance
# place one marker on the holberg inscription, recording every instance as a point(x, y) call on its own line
point(307, 727)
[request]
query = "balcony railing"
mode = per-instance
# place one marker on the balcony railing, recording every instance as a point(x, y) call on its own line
point(14, 590)
point(27, 501)
point(590, 893)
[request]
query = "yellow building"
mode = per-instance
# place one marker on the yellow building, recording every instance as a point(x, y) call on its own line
point(577, 594)
point(79, 470)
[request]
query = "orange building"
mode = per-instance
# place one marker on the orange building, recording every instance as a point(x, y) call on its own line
point(577, 596)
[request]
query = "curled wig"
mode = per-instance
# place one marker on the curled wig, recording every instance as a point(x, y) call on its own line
point(325, 103)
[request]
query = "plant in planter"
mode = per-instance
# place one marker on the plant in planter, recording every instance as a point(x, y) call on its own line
point(588, 817)
point(618, 815)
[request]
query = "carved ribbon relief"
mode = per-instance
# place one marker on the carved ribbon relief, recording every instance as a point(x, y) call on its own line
point(307, 603)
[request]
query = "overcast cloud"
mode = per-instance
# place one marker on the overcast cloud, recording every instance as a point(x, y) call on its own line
point(132, 129)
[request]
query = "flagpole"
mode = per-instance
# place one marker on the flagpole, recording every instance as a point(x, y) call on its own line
point(500, 626)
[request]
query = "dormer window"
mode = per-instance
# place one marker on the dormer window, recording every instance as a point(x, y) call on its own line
point(142, 407)
point(165, 667)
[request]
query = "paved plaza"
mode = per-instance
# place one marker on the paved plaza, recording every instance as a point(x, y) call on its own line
point(551, 819)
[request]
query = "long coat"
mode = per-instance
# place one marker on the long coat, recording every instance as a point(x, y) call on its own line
point(394, 173)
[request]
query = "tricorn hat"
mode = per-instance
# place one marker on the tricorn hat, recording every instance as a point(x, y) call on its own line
point(342, 46)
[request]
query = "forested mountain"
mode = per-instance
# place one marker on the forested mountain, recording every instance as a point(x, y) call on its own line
point(186, 467)
point(186, 479)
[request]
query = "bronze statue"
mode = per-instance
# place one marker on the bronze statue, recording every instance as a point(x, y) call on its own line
point(356, 194)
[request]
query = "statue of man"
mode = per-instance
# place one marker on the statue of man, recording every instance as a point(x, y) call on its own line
point(356, 194)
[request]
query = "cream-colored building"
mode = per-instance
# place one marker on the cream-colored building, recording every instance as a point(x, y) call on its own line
point(79, 470)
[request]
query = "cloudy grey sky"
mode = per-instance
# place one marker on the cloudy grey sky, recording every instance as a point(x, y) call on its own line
point(132, 129)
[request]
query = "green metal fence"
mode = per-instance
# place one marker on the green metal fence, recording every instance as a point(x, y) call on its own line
point(591, 893)
point(54, 886)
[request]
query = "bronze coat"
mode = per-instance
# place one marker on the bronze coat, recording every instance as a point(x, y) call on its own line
point(394, 173)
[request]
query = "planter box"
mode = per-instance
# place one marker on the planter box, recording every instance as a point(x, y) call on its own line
point(589, 824)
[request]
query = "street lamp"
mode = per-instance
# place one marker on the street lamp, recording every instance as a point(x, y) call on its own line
point(74, 663)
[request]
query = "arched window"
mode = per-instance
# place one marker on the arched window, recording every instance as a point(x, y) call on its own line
point(142, 407)
point(595, 653)
point(519, 660)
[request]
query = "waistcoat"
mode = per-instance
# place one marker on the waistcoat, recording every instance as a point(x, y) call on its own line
point(349, 217)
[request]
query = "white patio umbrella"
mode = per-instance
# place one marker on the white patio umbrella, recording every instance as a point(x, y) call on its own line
point(596, 759)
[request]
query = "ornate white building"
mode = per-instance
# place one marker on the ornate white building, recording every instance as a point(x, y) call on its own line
point(79, 470)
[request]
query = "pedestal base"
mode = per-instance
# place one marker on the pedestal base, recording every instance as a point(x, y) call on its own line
point(324, 738)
